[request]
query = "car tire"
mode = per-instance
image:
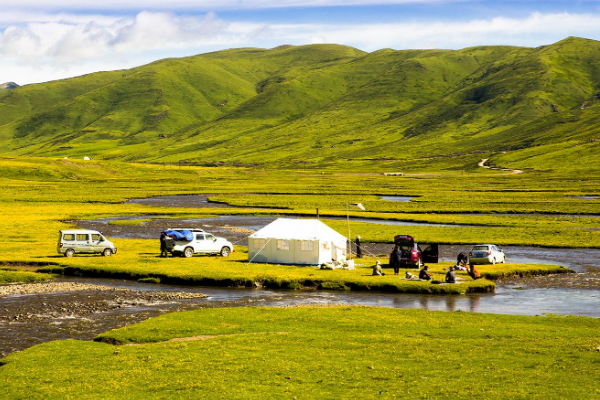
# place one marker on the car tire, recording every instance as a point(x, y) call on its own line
point(225, 251)
point(107, 253)
point(69, 253)
point(493, 261)
point(188, 252)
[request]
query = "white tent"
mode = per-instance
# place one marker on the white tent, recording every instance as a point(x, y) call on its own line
point(296, 241)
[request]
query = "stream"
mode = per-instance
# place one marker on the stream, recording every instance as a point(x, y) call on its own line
point(30, 319)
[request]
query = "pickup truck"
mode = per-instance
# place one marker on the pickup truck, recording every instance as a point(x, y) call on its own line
point(186, 242)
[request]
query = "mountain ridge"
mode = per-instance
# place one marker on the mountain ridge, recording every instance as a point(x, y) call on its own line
point(318, 104)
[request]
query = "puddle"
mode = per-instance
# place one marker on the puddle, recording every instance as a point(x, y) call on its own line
point(396, 198)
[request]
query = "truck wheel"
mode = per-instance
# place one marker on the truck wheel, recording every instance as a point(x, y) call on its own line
point(107, 253)
point(69, 253)
point(188, 252)
point(225, 251)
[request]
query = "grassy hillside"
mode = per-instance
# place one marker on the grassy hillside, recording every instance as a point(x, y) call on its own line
point(324, 104)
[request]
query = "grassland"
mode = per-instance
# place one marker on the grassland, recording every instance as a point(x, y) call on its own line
point(14, 275)
point(327, 353)
point(311, 107)
point(45, 195)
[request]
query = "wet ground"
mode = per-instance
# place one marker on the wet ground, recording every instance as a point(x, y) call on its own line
point(27, 319)
point(31, 319)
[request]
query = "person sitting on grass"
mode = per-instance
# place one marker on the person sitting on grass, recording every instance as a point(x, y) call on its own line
point(423, 274)
point(377, 269)
point(451, 276)
point(473, 273)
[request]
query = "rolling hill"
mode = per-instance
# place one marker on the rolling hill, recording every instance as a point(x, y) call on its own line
point(534, 108)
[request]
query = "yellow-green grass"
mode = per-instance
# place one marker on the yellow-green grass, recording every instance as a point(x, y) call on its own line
point(139, 258)
point(318, 352)
point(14, 275)
point(42, 196)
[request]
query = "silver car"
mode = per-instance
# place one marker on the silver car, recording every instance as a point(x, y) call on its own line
point(72, 241)
point(486, 254)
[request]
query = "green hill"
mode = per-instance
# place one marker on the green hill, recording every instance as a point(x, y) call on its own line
point(523, 107)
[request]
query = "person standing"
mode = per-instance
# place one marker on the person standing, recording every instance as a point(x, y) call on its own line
point(358, 247)
point(163, 245)
point(395, 258)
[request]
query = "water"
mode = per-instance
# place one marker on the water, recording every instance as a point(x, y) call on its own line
point(571, 294)
point(76, 322)
point(396, 198)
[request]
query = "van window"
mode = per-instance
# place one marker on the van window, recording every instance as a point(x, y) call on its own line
point(199, 236)
point(96, 237)
point(82, 238)
point(68, 237)
point(209, 237)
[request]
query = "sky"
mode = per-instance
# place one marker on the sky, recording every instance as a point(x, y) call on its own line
point(40, 41)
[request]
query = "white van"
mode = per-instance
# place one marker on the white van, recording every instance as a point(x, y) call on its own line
point(84, 241)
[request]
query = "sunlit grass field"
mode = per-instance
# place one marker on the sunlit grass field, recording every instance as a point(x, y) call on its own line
point(42, 196)
point(318, 352)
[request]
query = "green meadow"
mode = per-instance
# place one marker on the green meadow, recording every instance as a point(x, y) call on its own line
point(51, 194)
point(318, 352)
point(293, 131)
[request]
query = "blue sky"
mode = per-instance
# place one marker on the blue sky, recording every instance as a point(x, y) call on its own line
point(41, 41)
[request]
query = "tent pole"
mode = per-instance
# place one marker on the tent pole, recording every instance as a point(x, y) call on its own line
point(349, 255)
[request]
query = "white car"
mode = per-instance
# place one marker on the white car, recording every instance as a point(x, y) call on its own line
point(202, 243)
point(486, 254)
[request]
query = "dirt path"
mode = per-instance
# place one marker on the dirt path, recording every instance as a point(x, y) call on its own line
point(484, 160)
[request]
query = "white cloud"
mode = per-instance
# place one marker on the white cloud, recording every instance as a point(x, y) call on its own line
point(202, 5)
point(53, 47)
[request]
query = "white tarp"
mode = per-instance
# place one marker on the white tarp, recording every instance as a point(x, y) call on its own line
point(296, 241)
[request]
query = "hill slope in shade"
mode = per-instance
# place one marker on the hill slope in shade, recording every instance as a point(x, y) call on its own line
point(8, 85)
point(323, 104)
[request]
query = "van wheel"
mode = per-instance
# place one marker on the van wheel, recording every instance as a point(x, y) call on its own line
point(69, 253)
point(225, 251)
point(107, 253)
point(188, 252)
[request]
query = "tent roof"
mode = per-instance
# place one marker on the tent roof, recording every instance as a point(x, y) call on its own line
point(299, 229)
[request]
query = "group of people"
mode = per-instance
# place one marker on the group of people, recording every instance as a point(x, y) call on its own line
point(461, 265)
